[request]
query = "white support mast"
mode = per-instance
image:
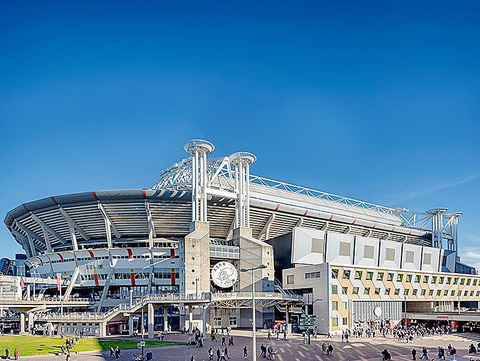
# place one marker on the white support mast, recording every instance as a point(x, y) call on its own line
point(242, 162)
point(199, 150)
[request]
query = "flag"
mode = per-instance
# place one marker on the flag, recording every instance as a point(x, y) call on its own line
point(22, 282)
point(59, 280)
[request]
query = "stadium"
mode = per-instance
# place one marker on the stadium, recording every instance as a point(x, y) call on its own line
point(186, 252)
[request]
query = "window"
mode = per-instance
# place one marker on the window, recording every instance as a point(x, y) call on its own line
point(399, 277)
point(346, 274)
point(477, 294)
point(455, 280)
point(414, 292)
point(334, 273)
point(430, 293)
point(312, 275)
point(405, 292)
point(344, 320)
point(387, 291)
point(290, 279)
point(368, 251)
point(449, 280)
point(390, 254)
point(334, 305)
point(390, 277)
point(409, 278)
point(380, 276)
point(344, 290)
point(369, 276)
point(465, 293)
point(377, 291)
point(409, 256)
point(452, 293)
point(445, 293)
point(232, 321)
point(217, 322)
point(438, 292)
point(471, 293)
point(344, 249)
point(462, 281)
point(334, 322)
point(334, 290)
point(358, 275)
point(441, 280)
point(417, 278)
point(397, 291)
point(425, 279)
point(345, 305)
point(427, 258)
point(355, 290)
point(424, 291)
point(366, 291)
point(468, 281)
point(317, 245)
point(474, 282)
point(434, 279)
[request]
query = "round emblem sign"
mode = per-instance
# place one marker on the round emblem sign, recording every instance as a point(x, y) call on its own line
point(224, 274)
point(377, 311)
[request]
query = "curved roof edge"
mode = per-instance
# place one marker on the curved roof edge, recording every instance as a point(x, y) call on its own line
point(96, 196)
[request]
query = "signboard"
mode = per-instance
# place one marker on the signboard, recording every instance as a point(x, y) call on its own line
point(224, 274)
point(307, 322)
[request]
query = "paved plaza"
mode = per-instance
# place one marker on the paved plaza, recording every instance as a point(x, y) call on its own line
point(294, 350)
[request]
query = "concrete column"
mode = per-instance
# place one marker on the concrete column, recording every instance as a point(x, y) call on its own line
point(204, 320)
point(150, 320)
point(22, 322)
point(190, 320)
point(165, 319)
point(130, 325)
point(30, 320)
point(103, 329)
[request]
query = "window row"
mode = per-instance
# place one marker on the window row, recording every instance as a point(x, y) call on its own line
point(400, 277)
point(406, 292)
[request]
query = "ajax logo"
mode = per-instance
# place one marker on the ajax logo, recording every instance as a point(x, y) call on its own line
point(224, 274)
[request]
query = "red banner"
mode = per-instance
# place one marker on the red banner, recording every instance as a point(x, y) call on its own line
point(22, 282)
point(132, 277)
point(95, 277)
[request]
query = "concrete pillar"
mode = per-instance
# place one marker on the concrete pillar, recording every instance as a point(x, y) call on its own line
point(165, 319)
point(22, 322)
point(130, 325)
point(103, 329)
point(150, 320)
point(204, 320)
point(190, 320)
point(30, 320)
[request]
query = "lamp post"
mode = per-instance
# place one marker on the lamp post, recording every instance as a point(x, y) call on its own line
point(254, 340)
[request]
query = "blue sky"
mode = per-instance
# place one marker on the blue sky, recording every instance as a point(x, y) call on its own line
point(374, 100)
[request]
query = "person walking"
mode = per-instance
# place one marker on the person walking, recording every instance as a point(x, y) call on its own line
point(112, 352)
point(245, 352)
point(15, 353)
point(210, 354)
point(223, 341)
point(424, 353)
point(7, 354)
point(218, 354)
point(226, 353)
point(414, 354)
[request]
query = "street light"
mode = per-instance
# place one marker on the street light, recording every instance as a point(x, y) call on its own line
point(254, 341)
